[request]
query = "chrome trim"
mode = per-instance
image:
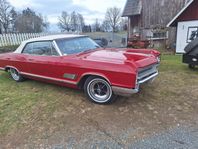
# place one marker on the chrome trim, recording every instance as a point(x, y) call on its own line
point(57, 48)
point(50, 41)
point(148, 78)
point(49, 78)
point(124, 91)
point(69, 76)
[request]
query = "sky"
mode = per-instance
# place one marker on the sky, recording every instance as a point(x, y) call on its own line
point(90, 9)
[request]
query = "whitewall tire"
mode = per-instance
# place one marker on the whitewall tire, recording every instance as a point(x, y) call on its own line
point(98, 90)
point(15, 75)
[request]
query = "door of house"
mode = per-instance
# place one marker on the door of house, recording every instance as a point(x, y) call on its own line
point(186, 32)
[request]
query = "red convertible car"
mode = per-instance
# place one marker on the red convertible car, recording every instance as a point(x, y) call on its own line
point(77, 61)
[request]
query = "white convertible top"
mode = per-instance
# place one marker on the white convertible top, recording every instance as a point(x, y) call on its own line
point(46, 38)
point(53, 37)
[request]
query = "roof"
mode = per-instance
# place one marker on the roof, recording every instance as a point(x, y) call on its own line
point(53, 37)
point(132, 7)
point(46, 38)
point(172, 22)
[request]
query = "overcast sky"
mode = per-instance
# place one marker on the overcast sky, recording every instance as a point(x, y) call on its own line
point(90, 9)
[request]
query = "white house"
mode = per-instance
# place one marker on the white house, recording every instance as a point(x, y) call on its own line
point(186, 22)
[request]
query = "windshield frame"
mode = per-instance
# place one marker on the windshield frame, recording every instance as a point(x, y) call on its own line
point(65, 54)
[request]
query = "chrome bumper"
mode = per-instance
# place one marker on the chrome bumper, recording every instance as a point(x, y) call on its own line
point(149, 78)
point(124, 91)
point(128, 92)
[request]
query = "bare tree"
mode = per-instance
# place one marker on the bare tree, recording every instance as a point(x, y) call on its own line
point(105, 26)
point(113, 16)
point(97, 26)
point(64, 21)
point(81, 21)
point(123, 25)
point(5, 15)
point(45, 23)
point(74, 21)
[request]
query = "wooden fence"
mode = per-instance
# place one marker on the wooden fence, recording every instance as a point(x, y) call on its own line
point(16, 39)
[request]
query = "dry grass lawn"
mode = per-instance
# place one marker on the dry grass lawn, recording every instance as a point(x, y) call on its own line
point(34, 113)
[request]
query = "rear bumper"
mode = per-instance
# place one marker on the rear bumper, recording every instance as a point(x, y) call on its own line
point(151, 77)
point(124, 91)
point(128, 92)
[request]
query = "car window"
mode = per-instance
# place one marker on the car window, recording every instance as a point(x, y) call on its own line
point(28, 49)
point(76, 45)
point(40, 48)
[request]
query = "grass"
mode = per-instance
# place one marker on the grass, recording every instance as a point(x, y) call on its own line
point(21, 103)
point(31, 104)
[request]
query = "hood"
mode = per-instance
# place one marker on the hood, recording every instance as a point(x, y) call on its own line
point(140, 58)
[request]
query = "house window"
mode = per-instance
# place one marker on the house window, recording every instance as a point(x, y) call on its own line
point(160, 35)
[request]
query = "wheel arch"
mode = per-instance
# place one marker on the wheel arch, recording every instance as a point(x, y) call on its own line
point(84, 77)
point(8, 67)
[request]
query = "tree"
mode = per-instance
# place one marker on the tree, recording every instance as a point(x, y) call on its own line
point(30, 22)
point(74, 21)
point(105, 26)
point(46, 23)
point(64, 21)
point(81, 22)
point(5, 15)
point(14, 16)
point(112, 17)
point(86, 28)
point(123, 24)
point(97, 26)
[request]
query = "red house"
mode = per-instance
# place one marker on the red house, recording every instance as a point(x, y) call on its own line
point(186, 22)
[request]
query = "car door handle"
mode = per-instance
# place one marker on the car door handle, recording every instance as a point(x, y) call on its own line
point(8, 58)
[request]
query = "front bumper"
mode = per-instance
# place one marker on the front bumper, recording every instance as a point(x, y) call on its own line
point(128, 92)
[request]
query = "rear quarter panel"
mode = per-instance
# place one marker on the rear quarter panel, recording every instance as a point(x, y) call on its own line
point(117, 74)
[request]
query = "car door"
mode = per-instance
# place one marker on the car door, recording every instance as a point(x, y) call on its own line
point(43, 59)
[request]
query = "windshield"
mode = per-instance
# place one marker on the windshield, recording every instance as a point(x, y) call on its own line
point(76, 45)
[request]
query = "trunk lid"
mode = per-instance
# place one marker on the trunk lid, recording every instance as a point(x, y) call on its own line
point(139, 58)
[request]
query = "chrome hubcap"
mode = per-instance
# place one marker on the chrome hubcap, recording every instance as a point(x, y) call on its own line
point(14, 74)
point(99, 90)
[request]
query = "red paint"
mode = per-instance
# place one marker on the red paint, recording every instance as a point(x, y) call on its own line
point(191, 13)
point(118, 66)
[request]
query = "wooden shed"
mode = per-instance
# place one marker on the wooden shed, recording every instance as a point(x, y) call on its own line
point(186, 22)
point(149, 18)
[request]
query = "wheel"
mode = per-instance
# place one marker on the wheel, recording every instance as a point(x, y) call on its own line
point(15, 75)
point(98, 90)
point(191, 66)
